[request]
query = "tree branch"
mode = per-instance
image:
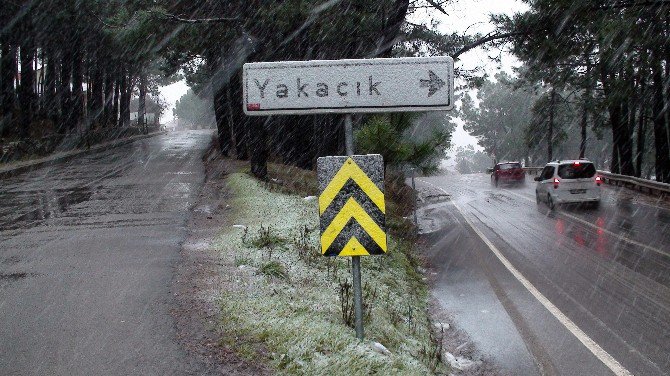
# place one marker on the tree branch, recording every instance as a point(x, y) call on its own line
point(633, 4)
point(195, 20)
point(437, 6)
point(484, 40)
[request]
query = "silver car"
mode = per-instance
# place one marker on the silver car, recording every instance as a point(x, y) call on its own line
point(570, 181)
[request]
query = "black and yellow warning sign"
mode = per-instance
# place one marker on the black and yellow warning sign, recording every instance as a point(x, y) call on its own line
point(351, 205)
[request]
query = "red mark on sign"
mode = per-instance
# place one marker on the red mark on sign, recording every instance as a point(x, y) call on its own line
point(253, 106)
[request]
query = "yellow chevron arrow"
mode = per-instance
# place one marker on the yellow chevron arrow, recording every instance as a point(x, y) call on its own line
point(350, 170)
point(352, 210)
point(354, 248)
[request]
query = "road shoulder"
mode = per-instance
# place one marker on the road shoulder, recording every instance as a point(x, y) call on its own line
point(199, 275)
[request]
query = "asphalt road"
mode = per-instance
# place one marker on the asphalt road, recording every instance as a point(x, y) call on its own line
point(578, 291)
point(87, 252)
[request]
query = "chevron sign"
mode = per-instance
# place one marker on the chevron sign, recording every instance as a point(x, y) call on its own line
point(351, 205)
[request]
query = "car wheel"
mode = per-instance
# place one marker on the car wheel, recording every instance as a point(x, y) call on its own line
point(495, 182)
point(537, 197)
point(550, 203)
point(595, 204)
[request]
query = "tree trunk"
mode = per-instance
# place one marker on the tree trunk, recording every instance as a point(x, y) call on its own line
point(626, 132)
point(584, 124)
point(114, 116)
point(666, 102)
point(7, 74)
point(64, 93)
point(616, 120)
point(632, 109)
point(660, 128)
point(550, 130)
point(391, 29)
point(290, 129)
point(26, 93)
point(108, 106)
point(614, 165)
point(258, 148)
point(77, 105)
point(222, 120)
point(303, 142)
point(142, 101)
point(622, 153)
point(239, 119)
point(230, 116)
point(49, 93)
point(126, 105)
point(96, 91)
point(123, 101)
point(586, 101)
point(128, 98)
point(641, 126)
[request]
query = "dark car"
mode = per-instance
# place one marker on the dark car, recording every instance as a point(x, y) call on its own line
point(508, 173)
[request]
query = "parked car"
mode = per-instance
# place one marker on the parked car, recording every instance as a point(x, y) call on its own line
point(508, 173)
point(571, 181)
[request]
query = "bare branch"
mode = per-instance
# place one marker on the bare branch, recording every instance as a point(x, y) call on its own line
point(437, 6)
point(104, 23)
point(195, 20)
point(632, 4)
point(484, 40)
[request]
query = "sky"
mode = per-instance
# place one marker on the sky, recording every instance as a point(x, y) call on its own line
point(473, 16)
point(463, 15)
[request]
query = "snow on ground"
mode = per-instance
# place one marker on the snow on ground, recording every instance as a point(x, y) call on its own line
point(287, 303)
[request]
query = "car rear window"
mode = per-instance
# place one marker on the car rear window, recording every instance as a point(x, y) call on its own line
point(576, 171)
point(509, 166)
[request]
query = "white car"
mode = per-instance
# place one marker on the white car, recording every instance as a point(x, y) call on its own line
point(571, 181)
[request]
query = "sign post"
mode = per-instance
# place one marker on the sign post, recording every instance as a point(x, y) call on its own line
point(352, 214)
point(351, 203)
point(355, 260)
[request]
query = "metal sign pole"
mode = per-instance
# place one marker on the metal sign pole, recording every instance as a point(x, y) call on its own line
point(416, 222)
point(355, 260)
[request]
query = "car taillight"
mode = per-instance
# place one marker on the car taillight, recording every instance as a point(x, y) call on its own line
point(599, 180)
point(556, 181)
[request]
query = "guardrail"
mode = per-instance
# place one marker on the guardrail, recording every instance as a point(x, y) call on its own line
point(642, 185)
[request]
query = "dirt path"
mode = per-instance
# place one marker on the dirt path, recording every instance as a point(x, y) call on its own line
point(200, 275)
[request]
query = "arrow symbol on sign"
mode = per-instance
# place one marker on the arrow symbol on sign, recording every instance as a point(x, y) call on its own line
point(350, 170)
point(433, 83)
point(352, 210)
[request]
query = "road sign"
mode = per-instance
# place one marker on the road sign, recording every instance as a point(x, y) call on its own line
point(349, 86)
point(351, 205)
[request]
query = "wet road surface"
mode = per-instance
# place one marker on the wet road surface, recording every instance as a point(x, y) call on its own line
point(604, 270)
point(87, 251)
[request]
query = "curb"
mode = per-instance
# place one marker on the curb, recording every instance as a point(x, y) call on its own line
point(27, 166)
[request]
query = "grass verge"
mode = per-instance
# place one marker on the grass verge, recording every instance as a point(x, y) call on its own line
point(288, 305)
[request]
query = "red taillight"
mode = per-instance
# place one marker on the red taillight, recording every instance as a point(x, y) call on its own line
point(599, 180)
point(556, 181)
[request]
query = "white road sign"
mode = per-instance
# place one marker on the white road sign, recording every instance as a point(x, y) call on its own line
point(349, 86)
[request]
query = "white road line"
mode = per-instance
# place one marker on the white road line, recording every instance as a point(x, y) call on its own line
point(587, 223)
point(590, 344)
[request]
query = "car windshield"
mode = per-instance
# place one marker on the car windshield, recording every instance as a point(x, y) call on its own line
point(509, 166)
point(577, 171)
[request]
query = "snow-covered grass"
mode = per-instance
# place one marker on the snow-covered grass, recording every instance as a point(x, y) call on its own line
point(282, 304)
